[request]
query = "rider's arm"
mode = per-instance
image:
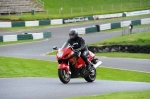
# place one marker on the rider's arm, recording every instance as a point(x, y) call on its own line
point(82, 42)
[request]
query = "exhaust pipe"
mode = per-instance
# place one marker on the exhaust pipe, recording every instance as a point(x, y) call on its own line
point(97, 64)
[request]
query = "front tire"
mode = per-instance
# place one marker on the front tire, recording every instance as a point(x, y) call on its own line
point(63, 76)
point(90, 77)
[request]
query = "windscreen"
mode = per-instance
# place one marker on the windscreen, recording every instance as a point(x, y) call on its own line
point(65, 45)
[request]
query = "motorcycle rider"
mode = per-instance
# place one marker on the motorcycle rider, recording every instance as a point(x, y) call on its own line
point(79, 45)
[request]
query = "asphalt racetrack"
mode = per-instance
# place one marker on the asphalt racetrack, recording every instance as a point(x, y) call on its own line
point(52, 88)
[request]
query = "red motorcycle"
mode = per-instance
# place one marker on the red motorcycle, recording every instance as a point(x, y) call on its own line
point(71, 65)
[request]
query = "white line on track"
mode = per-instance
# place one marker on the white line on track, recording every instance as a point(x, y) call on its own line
point(124, 69)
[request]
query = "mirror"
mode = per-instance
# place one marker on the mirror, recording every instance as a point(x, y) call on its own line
point(55, 48)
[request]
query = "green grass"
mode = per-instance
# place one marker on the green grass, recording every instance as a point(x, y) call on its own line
point(145, 94)
point(123, 75)
point(125, 55)
point(133, 39)
point(52, 53)
point(18, 42)
point(18, 67)
point(53, 7)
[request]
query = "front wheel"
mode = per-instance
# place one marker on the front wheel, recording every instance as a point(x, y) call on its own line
point(91, 76)
point(64, 76)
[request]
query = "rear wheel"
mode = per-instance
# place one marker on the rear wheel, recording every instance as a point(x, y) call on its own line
point(90, 77)
point(64, 76)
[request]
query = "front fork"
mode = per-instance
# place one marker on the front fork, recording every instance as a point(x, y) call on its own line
point(65, 67)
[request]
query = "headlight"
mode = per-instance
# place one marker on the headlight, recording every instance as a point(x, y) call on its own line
point(59, 54)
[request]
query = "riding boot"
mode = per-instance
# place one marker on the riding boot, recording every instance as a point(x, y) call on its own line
point(88, 68)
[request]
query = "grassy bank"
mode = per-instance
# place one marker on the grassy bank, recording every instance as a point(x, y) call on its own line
point(18, 42)
point(18, 67)
point(108, 6)
point(81, 8)
point(134, 39)
point(120, 95)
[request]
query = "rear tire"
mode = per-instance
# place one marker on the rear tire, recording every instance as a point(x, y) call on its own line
point(90, 77)
point(63, 76)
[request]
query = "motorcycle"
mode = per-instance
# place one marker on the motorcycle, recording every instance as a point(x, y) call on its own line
point(71, 65)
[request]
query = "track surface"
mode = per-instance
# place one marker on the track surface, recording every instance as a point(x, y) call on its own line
point(47, 88)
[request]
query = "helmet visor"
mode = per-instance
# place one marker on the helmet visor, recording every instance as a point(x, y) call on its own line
point(72, 36)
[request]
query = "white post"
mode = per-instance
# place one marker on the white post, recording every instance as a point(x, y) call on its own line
point(81, 9)
point(59, 11)
point(140, 2)
point(47, 11)
point(71, 10)
point(9, 12)
point(92, 8)
point(112, 6)
point(122, 26)
point(131, 4)
point(102, 7)
point(121, 5)
point(43, 5)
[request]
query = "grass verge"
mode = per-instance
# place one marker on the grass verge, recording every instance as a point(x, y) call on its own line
point(145, 94)
point(52, 53)
point(18, 67)
point(134, 39)
point(18, 42)
point(118, 54)
point(125, 55)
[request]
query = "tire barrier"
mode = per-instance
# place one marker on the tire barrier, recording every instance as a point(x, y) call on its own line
point(108, 26)
point(78, 19)
point(121, 48)
point(25, 36)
